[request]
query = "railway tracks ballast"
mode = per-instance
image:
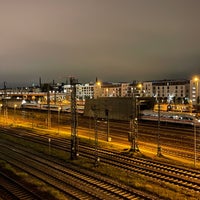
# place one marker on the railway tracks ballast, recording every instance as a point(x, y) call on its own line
point(70, 180)
point(180, 176)
point(11, 189)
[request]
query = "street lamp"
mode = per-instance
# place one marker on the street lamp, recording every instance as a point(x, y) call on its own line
point(140, 88)
point(196, 80)
point(98, 89)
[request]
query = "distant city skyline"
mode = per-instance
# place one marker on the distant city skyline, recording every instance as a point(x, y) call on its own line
point(114, 40)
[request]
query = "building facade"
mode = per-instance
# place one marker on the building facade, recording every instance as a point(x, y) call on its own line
point(105, 89)
point(176, 91)
point(83, 91)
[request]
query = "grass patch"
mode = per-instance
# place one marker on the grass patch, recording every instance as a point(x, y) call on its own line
point(43, 187)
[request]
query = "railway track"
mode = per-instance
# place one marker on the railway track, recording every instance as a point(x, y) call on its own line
point(184, 177)
point(180, 137)
point(147, 138)
point(11, 189)
point(187, 178)
point(79, 183)
point(184, 151)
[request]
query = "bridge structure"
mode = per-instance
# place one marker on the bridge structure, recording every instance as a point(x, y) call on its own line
point(35, 96)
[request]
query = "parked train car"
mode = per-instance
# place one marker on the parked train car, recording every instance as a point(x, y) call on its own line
point(80, 109)
point(51, 107)
point(30, 106)
point(171, 117)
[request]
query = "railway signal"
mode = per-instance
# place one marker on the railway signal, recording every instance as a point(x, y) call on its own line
point(108, 131)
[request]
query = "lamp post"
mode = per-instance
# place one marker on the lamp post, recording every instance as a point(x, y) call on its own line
point(131, 136)
point(196, 80)
point(97, 89)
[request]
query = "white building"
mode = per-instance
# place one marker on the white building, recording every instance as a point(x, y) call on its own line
point(83, 91)
point(170, 90)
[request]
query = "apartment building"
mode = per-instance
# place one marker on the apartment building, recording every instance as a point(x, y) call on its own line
point(168, 90)
point(106, 89)
point(83, 91)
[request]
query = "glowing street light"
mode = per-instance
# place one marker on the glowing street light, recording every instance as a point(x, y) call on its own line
point(196, 80)
point(99, 83)
point(139, 87)
point(98, 89)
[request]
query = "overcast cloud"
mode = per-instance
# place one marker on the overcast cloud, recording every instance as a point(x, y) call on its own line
point(115, 40)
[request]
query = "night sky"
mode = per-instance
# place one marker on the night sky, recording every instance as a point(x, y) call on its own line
point(114, 40)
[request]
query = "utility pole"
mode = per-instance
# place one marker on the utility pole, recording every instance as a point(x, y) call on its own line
point(74, 120)
point(49, 110)
point(108, 126)
point(97, 159)
point(134, 125)
point(136, 149)
point(5, 111)
point(158, 147)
